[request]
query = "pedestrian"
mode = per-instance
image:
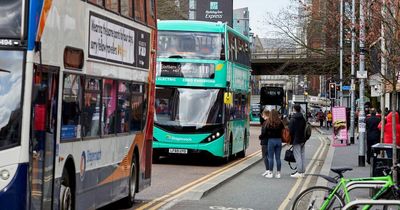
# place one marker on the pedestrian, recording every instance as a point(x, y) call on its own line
point(329, 120)
point(297, 127)
point(373, 133)
point(274, 127)
point(388, 137)
point(264, 141)
point(321, 117)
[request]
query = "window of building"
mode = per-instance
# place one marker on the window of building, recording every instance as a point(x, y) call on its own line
point(151, 12)
point(140, 10)
point(109, 106)
point(127, 8)
point(123, 108)
point(71, 107)
point(112, 5)
point(90, 117)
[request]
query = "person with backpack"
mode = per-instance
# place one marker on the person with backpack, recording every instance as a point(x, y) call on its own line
point(297, 128)
point(264, 142)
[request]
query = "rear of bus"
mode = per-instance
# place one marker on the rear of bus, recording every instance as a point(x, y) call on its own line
point(190, 87)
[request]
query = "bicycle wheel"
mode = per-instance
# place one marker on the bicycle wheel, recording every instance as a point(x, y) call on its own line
point(390, 194)
point(313, 198)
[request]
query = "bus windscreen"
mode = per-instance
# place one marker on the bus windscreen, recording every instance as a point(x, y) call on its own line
point(10, 18)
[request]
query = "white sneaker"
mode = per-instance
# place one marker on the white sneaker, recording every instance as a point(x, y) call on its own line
point(297, 175)
point(278, 175)
point(266, 172)
point(269, 175)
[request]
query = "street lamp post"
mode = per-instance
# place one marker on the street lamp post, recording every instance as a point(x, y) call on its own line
point(361, 119)
point(341, 55)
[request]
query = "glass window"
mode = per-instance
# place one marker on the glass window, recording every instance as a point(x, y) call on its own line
point(90, 117)
point(10, 97)
point(185, 107)
point(127, 8)
point(139, 10)
point(98, 2)
point(109, 103)
point(112, 5)
point(124, 108)
point(71, 107)
point(151, 12)
point(10, 18)
point(189, 45)
point(137, 107)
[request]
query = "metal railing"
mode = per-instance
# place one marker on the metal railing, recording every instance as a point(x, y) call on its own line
point(290, 53)
point(371, 202)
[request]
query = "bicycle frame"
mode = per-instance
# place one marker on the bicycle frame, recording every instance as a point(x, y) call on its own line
point(388, 183)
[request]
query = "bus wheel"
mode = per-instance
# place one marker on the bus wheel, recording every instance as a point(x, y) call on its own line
point(156, 157)
point(66, 194)
point(129, 201)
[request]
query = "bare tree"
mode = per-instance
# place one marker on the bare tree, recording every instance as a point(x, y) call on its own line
point(172, 10)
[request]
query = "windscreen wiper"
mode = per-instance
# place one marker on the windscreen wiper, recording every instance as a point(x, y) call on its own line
point(2, 70)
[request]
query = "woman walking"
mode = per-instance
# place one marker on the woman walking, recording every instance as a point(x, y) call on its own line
point(274, 127)
point(264, 142)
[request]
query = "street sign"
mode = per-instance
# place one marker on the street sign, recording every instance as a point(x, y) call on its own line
point(362, 74)
point(345, 87)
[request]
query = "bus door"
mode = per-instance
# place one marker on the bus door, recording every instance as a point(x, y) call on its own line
point(43, 136)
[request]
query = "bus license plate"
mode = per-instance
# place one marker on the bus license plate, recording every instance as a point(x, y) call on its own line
point(178, 151)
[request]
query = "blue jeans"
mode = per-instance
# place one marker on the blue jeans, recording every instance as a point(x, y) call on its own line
point(274, 149)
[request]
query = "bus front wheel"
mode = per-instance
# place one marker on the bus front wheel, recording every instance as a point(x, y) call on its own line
point(66, 194)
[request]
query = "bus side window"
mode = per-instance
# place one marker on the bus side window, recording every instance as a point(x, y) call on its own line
point(71, 107)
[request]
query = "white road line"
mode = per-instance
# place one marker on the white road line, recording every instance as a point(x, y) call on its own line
point(299, 180)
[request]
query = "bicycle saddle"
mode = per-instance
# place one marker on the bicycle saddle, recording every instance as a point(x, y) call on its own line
point(340, 171)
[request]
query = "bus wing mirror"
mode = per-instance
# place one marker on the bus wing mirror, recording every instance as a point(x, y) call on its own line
point(228, 98)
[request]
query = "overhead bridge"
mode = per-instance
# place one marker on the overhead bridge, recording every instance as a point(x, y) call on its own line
point(293, 61)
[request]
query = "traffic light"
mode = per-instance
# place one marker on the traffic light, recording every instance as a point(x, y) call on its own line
point(332, 90)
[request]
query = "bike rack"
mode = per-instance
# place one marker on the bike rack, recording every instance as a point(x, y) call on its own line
point(371, 202)
point(364, 184)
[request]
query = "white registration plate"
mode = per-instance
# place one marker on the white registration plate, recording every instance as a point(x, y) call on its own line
point(178, 151)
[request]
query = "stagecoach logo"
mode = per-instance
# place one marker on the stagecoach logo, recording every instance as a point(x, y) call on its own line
point(174, 138)
point(83, 166)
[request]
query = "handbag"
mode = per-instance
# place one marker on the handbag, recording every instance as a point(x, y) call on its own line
point(289, 157)
point(286, 135)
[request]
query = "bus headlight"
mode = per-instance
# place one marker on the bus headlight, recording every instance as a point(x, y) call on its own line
point(4, 174)
point(213, 136)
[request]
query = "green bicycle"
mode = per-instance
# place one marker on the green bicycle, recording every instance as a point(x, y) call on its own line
point(324, 198)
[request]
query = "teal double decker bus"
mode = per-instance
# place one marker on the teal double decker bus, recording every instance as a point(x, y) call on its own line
point(202, 90)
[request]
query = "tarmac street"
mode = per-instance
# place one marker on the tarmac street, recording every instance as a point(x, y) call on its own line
point(180, 184)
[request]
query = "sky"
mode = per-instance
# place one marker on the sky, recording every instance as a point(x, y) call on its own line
point(258, 12)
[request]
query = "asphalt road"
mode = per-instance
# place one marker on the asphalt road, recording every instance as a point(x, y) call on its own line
point(251, 191)
point(172, 173)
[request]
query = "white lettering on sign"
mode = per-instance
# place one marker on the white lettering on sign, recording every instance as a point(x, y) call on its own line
point(111, 41)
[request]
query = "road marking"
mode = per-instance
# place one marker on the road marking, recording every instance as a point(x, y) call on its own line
point(298, 181)
point(172, 195)
point(308, 179)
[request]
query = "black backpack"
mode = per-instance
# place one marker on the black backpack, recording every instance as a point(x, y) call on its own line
point(307, 131)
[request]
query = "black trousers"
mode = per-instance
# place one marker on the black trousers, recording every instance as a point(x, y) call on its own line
point(369, 149)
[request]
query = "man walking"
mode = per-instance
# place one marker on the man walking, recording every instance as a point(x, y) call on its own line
point(297, 127)
point(373, 133)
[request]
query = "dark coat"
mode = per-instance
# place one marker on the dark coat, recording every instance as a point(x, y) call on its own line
point(263, 136)
point(297, 126)
point(373, 133)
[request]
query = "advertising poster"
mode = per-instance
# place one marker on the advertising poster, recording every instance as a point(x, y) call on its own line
point(215, 10)
point(339, 124)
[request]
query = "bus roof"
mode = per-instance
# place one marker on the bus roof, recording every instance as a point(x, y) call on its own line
point(197, 26)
